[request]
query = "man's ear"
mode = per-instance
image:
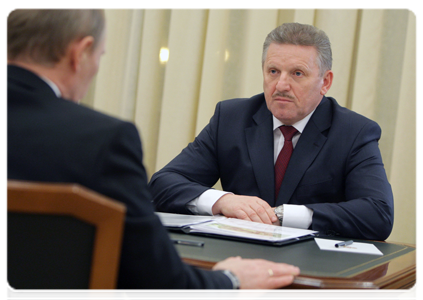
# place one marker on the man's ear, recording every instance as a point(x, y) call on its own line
point(79, 50)
point(327, 82)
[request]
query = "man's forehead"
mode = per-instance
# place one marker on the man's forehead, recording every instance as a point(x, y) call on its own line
point(282, 46)
point(278, 52)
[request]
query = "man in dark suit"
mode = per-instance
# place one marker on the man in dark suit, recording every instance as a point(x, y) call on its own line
point(335, 181)
point(53, 139)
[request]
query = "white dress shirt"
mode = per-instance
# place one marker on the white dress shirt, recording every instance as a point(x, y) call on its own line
point(297, 216)
point(53, 86)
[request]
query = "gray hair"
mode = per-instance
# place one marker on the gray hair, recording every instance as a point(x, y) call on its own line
point(302, 35)
point(43, 35)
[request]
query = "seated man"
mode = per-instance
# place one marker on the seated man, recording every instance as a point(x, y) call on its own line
point(290, 156)
point(52, 57)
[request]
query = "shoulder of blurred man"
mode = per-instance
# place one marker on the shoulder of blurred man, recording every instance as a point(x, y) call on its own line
point(26, 90)
point(73, 140)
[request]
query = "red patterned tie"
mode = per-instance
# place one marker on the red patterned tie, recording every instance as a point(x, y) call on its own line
point(284, 156)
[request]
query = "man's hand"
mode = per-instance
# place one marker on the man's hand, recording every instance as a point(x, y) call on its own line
point(259, 273)
point(245, 208)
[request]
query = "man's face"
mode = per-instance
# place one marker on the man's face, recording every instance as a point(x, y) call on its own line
point(292, 85)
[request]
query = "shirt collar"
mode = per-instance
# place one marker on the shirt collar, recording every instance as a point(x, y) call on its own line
point(52, 85)
point(300, 125)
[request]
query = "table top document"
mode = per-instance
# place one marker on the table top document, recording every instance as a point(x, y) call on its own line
point(230, 228)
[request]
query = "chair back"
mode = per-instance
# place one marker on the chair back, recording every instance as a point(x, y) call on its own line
point(62, 236)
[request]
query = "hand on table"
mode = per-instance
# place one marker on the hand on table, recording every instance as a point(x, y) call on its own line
point(259, 273)
point(245, 208)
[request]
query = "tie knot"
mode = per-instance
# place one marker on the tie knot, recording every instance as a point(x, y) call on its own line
point(288, 132)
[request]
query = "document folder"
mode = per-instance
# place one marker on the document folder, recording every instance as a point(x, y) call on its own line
point(235, 229)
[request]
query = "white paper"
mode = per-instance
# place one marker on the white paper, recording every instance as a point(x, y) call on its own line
point(364, 248)
point(250, 230)
point(178, 220)
point(232, 227)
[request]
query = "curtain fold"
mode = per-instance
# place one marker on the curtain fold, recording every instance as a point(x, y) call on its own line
point(182, 82)
point(403, 162)
point(165, 70)
point(151, 78)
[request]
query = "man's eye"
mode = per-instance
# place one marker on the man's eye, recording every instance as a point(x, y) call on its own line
point(298, 73)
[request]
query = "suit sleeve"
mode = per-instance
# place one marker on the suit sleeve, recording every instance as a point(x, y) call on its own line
point(189, 174)
point(367, 211)
point(148, 258)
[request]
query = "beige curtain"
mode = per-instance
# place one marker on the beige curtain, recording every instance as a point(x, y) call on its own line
point(165, 70)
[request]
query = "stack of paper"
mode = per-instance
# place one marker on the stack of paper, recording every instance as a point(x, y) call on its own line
point(229, 227)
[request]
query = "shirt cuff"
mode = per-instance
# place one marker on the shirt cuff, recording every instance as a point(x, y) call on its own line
point(204, 203)
point(297, 216)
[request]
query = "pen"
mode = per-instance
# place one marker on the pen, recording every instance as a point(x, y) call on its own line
point(188, 243)
point(344, 244)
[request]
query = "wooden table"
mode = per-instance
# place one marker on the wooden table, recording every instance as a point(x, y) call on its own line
point(396, 269)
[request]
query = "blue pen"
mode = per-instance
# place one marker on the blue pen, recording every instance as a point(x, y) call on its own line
point(344, 244)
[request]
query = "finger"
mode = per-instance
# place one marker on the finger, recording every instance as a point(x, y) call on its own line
point(254, 213)
point(282, 269)
point(253, 216)
point(279, 281)
point(278, 269)
point(264, 214)
point(244, 211)
point(269, 211)
point(242, 214)
point(273, 218)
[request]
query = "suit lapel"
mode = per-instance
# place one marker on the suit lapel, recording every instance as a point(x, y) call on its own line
point(308, 147)
point(259, 139)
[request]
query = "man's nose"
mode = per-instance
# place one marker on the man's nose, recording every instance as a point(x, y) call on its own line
point(283, 83)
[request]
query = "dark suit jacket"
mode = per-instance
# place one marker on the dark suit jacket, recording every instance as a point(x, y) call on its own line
point(336, 168)
point(54, 140)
